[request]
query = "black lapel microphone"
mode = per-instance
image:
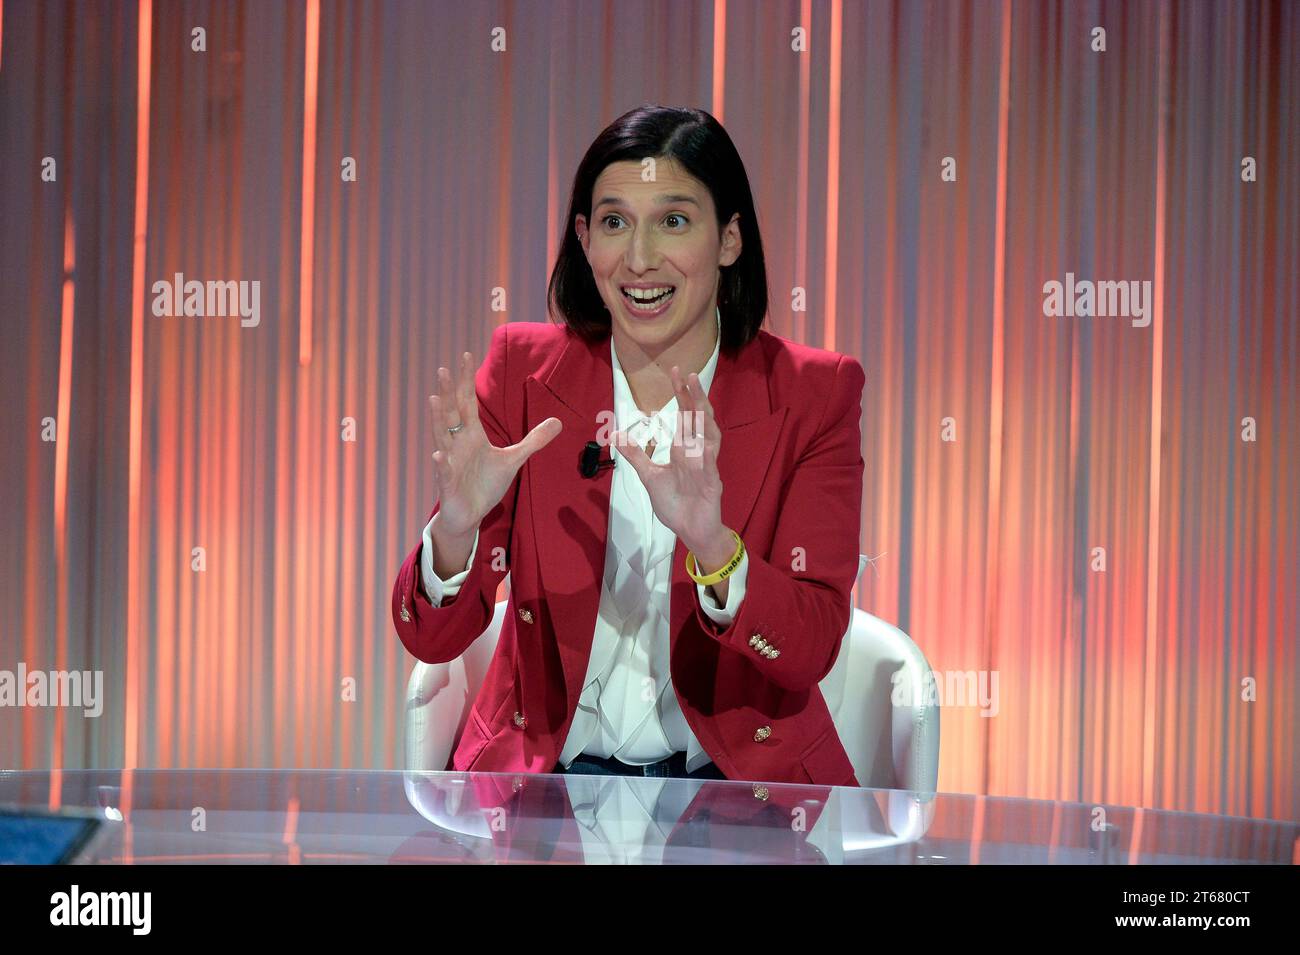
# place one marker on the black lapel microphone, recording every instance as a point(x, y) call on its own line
point(589, 463)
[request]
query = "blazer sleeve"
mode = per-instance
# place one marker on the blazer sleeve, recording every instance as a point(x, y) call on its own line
point(441, 634)
point(798, 600)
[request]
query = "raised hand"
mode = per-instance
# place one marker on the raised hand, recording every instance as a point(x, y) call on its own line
point(686, 493)
point(473, 474)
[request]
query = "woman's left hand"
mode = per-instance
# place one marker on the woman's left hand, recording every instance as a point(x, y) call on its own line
point(686, 493)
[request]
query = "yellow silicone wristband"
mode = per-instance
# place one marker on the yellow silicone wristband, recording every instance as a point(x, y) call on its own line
point(726, 571)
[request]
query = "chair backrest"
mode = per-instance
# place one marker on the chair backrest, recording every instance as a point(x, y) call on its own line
point(891, 737)
point(891, 746)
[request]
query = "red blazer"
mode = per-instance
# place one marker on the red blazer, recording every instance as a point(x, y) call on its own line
point(791, 468)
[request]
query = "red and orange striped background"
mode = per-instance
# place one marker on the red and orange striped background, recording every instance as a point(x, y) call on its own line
point(1071, 433)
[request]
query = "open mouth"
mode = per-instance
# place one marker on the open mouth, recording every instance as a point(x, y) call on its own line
point(649, 299)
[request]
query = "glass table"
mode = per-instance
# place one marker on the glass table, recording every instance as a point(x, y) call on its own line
point(374, 816)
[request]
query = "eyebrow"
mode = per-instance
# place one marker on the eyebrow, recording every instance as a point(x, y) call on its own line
point(662, 200)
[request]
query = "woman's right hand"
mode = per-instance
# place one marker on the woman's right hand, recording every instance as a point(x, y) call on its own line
point(472, 474)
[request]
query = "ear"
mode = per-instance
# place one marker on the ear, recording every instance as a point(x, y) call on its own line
point(584, 237)
point(731, 242)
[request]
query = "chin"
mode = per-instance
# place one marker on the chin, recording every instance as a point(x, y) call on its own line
point(650, 333)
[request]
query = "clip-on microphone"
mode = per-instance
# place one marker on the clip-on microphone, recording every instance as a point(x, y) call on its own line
point(589, 463)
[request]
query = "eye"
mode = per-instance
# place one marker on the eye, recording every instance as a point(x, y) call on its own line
point(605, 219)
point(676, 215)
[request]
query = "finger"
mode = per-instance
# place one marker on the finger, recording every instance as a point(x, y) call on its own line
point(686, 451)
point(630, 451)
point(709, 439)
point(448, 413)
point(543, 434)
point(700, 402)
point(684, 408)
point(695, 433)
point(466, 399)
point(440, 435)
point(685, 400)
point(440, 452)
point(694, 466)
point(439, 460)
point(447, 398)
point(710, 464)
point(444, 412)
point(698, 413)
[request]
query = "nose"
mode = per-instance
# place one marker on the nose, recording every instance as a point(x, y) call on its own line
point(640, 254)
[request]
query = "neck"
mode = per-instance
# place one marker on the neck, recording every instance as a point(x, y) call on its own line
point(649, 371)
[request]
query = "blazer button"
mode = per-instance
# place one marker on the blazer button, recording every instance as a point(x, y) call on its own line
point(525, 615)
point(760, 792)
point(520, 720)
point(762, 733)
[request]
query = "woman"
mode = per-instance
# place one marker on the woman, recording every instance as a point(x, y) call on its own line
point(674, 605)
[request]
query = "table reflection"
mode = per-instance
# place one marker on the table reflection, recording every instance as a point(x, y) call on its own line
point(320, 816)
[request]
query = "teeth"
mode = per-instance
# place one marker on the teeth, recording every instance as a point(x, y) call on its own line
point(653, 305)
point(646, 294)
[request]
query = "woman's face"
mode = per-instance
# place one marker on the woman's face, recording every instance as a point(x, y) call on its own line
point(645, 238)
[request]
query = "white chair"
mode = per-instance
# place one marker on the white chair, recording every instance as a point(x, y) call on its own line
point(890, 747)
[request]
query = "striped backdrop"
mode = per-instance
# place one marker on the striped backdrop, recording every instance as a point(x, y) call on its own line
point(1099, 512)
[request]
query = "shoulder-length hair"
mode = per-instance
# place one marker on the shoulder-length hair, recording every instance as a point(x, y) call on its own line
point(697, 142)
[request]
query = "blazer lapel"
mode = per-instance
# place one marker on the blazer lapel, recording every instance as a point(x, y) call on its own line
point(750, 427)
point(570, 513)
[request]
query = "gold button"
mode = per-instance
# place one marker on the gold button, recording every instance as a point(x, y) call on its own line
point(762, 733)
point(760, 792)
point(525, 615)
point(520, 720)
